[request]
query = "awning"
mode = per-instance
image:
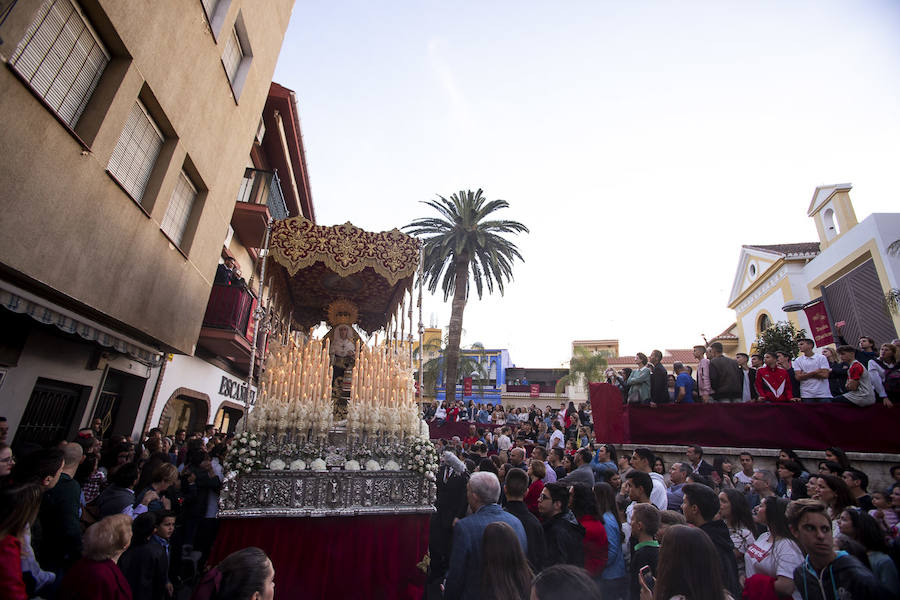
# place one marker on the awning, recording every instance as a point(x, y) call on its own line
point(43, 311)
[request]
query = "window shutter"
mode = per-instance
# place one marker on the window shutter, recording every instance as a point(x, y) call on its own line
point(136, 151)
point(233, 55)
point(62, 58)
point(210, 7)
point(179, 211)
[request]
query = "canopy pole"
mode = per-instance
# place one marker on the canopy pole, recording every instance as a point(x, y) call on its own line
point(409, 338)
point(259, 315)
point(421, 329)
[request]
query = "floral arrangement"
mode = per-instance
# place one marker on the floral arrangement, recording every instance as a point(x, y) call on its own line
point(244, 455)
point(422, 457)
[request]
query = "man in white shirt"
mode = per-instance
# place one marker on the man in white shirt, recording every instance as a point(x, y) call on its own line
point(812, 372)
point(642, 460)
point(745, 475)
point(557, 439)
point(503, 441)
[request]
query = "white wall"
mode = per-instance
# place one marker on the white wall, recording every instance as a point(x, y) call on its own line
point(882, 227)
point(195, 374)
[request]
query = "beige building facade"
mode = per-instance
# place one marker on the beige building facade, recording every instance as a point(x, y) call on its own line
point(125, 129)
point(848, 269)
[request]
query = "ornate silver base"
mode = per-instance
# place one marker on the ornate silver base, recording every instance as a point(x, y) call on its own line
point(326, 494)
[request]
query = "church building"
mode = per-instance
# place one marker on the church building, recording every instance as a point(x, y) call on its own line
point(840, 280)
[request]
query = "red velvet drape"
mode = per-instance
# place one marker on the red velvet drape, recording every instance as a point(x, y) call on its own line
point(335, 557)
point(460, 428)
point(752, 425)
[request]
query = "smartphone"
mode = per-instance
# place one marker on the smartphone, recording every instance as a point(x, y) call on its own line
point(647, 577)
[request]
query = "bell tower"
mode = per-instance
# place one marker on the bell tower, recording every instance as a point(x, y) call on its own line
point(832, 211)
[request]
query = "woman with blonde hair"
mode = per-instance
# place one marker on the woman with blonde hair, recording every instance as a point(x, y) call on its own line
point(96, 576)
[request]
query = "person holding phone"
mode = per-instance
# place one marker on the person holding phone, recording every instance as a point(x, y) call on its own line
point(685, 547)
point(644, 525)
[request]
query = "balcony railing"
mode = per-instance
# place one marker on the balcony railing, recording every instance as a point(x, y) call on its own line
point(546, 388)
point(229, 308)
point(263, 187)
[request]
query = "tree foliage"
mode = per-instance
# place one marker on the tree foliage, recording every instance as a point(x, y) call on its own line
point(464, 244)
point(584, 367)
point(781, 336)
point(466, 363)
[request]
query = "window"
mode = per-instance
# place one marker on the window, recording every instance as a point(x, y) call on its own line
point(175, 221)
point(136, 151)
point(763, 323)
point(61, 58)
point(233, 56)
point(237, 55)
point(215, 14)
point(210, 7)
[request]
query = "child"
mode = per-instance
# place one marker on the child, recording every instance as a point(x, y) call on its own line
point(163, 537)
point(145, 564)
point(644, 525)
point(884, 513)
point(570, 448)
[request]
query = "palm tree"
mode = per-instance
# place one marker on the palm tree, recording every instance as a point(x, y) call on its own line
point(585, 366)
point(466, 363)
point(465, 241)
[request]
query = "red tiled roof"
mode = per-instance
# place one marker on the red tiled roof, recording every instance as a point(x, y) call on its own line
point(788, 249)
point(726, 335)
point(669, 356)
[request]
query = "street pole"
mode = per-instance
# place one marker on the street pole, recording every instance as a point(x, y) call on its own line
point(259, 315)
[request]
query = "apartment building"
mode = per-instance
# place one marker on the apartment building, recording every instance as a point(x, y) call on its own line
point(125, 133)
point(211, 386)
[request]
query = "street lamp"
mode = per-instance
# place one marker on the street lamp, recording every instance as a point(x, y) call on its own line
point(794, 305)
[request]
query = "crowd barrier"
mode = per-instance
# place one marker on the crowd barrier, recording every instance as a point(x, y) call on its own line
point(752, 425)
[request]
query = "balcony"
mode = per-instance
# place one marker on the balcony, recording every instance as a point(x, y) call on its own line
point(546, 388)
point(260, 197)
point(227, 327)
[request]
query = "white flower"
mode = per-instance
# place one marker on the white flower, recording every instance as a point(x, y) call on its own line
point(277, 464)
point(318, 465)
point(391, 466)
point(254, 443)
point(253, 453)
point(298, 465)
point(351, 465)
point(372, 465)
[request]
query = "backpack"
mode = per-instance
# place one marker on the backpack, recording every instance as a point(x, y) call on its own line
point(892, 381)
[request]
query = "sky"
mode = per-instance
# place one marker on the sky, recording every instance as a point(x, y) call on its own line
point(642, 143)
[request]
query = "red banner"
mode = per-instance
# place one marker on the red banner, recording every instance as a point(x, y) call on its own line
point(535, 390)
point(818, 323)
point(467, 386)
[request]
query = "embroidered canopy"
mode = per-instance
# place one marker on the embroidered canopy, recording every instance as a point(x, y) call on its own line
point(373, 270)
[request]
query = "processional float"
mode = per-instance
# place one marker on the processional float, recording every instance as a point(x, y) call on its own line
point(336, 429)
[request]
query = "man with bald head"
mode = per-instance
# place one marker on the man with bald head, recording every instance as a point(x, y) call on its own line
point(464, 575)
point(517, 458)
point(60, 515)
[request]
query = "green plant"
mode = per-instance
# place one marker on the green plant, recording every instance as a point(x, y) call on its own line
point(466, 363)
point(781, 336)
point(465, 245)
point(892, 301)
point(585, 366)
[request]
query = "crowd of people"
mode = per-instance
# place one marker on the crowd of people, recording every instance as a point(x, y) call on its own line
point(601, 525)
point(861, 376)
point(102, 518)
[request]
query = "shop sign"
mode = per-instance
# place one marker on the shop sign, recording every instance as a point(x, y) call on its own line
point(236, 390)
